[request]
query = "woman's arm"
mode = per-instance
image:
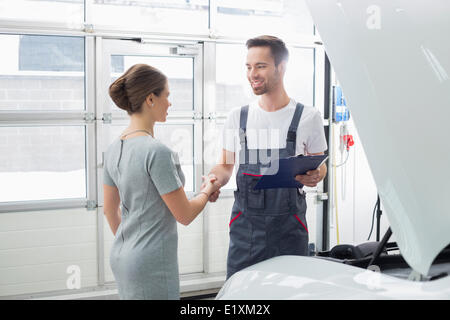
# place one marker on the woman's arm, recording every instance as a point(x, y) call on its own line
point(184, 210)
point(111, 202)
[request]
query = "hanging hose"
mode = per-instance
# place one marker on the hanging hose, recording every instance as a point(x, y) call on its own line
point(345, 142)
point(344, 179)
point(336, 205)
point(345, 161)
point(334, 185)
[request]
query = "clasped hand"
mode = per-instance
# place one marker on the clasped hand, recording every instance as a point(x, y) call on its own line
point(211, 186)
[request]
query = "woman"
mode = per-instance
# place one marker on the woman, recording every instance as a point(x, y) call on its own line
point(144, 177)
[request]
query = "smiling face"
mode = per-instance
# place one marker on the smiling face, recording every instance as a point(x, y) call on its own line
point(159, 105)
point(263, 75)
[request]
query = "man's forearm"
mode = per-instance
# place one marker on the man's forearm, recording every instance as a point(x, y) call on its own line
point(323, 171)
point(223, 172)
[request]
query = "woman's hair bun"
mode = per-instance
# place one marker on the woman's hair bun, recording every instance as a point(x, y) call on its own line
point(118, 93)
point(131, 89)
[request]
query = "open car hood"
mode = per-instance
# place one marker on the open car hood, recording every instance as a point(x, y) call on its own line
point(302, 278)
point(392, 59)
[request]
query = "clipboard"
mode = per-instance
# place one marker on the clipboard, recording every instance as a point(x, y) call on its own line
point(288, 168)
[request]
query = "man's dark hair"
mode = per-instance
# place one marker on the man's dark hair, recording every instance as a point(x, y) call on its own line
point(276, 45)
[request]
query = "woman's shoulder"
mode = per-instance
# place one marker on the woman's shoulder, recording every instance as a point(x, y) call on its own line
point(156, 145)
point(113, 146)
point(155, 149)
point(140, 145)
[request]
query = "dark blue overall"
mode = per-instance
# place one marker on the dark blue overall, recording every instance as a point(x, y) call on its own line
point(268, 222)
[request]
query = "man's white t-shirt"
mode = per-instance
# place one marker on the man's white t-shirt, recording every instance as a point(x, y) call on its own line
point(268, 130)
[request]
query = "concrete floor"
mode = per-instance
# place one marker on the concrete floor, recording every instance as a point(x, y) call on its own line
point(195, 295)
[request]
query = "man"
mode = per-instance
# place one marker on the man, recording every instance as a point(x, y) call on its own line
point(270, 222)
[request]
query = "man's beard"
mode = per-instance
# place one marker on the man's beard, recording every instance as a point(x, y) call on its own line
point(261, 90)
point(268, 86)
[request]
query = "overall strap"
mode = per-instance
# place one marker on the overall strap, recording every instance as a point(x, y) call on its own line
point(243, 130)
point(243, 118)
point(292, 133)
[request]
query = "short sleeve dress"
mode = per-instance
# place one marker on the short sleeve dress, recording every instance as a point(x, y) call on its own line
point(143, 256)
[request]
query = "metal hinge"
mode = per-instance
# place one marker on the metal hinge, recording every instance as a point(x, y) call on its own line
point(212, 116)
point(107, 117)
point(89, 117)
point(88, 28)
point(197, 116)
point(91, 205)
point(213, 34)
point(184, 50)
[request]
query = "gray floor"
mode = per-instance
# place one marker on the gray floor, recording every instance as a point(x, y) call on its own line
point(196, 295)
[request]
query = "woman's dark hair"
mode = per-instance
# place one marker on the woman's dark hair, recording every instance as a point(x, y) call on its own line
point(130, 90)
point(276, 45)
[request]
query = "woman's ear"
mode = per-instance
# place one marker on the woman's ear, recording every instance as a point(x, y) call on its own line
point(149, 100)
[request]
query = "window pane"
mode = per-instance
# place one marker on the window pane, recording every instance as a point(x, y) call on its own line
point(178, 70)
point(42, 163)
point(299, 77)
point(286, 19)
point(41, 73)
point(179, 16)
point(179, 138)
point(213, 150)
point(233, 89)
point(70, 12)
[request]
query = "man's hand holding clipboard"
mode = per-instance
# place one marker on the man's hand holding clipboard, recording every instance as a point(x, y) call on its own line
point(293, 172)
point(312, 177)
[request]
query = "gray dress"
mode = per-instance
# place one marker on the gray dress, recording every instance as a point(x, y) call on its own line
point(144, 253)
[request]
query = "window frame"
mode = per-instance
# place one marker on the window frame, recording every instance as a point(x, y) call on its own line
point(203, 115)
point(61, 118)
point(107, 47)
point(210, 77)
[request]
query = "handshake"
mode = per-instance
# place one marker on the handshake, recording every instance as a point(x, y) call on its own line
point(211, 186)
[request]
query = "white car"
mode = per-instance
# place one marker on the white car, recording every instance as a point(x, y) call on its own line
point(392, 59)
point(302, 278)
